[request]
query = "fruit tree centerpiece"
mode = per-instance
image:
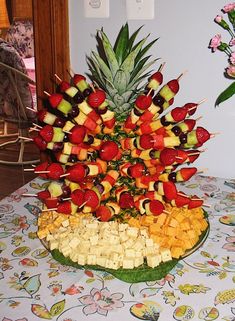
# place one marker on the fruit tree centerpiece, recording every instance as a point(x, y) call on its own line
point(119, 150)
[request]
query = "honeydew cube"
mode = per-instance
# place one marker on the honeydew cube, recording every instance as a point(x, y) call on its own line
point(128, 263)
point(165, 254)
point(82, 259)
point(153, 260)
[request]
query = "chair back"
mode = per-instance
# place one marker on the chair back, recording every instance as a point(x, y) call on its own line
point(15, 94)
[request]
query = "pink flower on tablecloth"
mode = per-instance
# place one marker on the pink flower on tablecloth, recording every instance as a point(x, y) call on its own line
point(55, 288)
point(230, 246)
point(101, 301)
point(232, 58)
point(6, 319)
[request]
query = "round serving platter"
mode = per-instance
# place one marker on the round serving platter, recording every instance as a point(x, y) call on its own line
point(142, 273)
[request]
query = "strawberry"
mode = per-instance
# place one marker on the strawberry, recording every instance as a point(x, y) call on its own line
point(103, 213)
point(44, 195)
point(47, 133)
point(126, 200)
point(143, 102)
point(195, 202)
point(191, 107)
point(146, 141)
point(167, 156)
point(76, 172)
point(179, 113)
point(41, 114)
point(173, 85)
point(64, 207)
point(55, 99)
point(155, 80)
point(96, 98)
point(55, 171)
point(108, 150)
point(190, 123)
point(128, 123)
point(42, 167)
point(202, 135)
point(193, 154)
point(77, 78)
point(77, 197)
point(40, 142)
point(51, 202)
point(136, 170)
point(181, 157)
point(77, 134)
point(187, 173)
point(181, 200)
point(156, 207)
point(64, 85)
point(91, 198)
point(110, 123)
point(170, 190)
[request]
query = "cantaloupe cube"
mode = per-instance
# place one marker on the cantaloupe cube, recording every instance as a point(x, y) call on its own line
point(161, 219)
point(154, 228)
point(176, 252)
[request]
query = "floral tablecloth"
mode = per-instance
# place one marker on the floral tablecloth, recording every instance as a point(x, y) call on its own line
point(34, 286)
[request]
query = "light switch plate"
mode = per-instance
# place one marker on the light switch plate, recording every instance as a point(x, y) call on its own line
point(96, 8)
point(140, 9)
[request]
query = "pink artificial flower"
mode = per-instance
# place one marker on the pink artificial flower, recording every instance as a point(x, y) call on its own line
point(231, 71)
point(218, 18)
point(232, 58)
point(229, 7)
point(232, 42)
point(215, 42)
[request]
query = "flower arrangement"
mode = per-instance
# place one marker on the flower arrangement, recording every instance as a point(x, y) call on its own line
point(216, 43)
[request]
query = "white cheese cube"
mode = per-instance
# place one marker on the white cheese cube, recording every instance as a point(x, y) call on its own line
point(94, 239)
point(74, 256)
point(50, 237)
point(101, 261)
point(144, 233)
point(123, 237)
point(130, 252)
point(165, 254)
point(81, 259)
point(91, 259)
point(122, 227)
point(132, 232)
point(138, 261)
point(153, 260)
point(149, 242)
point(54, 245)
point(65, 223)
point(128, 263)
point(74, 242)
point(128, 244)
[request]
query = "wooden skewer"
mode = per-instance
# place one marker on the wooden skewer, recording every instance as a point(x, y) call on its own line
point(64, 175)
point(36, 125)
point(47, 93)
point(31, 109)
point(178, 157)
point(29, 195)
point(161, 66)
point(34, 129)
point(149, 92)
point(92, 87)
point(212, 135)
point(69, 73)
point(26, 138)
point(50, 209)
point(166, 212)
point(181, 75)
point(58, 78)
point(84, 203)
point(71, 70)
point(36, 172)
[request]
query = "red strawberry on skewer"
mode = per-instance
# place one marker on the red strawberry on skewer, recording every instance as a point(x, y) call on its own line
point(55, 171)
point(126, 200)
point(103, 213)
point(154, 207)
point(194, 202)
point(168, 156)
point(77, 134)
point(143, 102)
point(77, 197)
point(76, 173)
point(96, 98)
point(58, 102)
point(108, 150)
point(136, 170)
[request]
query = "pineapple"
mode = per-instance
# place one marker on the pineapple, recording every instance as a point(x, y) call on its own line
point(122, 69)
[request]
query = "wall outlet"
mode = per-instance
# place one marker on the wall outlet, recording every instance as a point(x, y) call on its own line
point(96, 8)
point(140, 9)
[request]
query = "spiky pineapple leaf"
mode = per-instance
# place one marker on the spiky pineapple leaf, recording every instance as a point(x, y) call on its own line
point(96, 72)
point(103, 67)
point(129, 63)
point(138, 77)
point(139, 66)
point(145, 49)
point(110, 54)
point(132, 39)
point(121, 44)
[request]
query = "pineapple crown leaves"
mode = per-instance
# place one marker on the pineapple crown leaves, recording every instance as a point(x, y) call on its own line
point(120, 69)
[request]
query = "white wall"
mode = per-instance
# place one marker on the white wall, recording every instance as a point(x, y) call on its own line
point(185, 28)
